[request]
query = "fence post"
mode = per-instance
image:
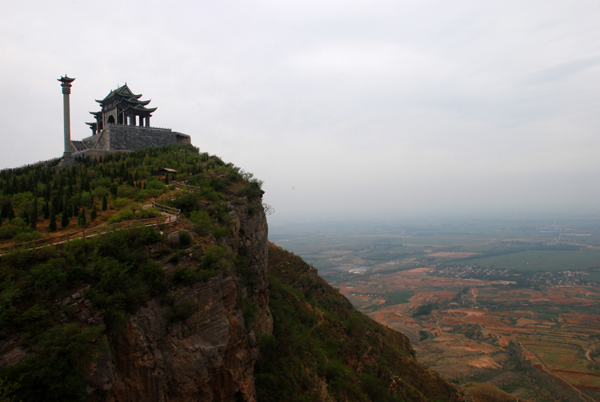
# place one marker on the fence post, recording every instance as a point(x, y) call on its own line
point(83, 233)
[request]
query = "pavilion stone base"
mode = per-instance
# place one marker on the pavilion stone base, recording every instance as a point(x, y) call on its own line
point(124, 138)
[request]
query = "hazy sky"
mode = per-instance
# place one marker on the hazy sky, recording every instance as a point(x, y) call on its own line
point(343, 108)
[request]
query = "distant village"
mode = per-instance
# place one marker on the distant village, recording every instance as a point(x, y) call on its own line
point(558, 278)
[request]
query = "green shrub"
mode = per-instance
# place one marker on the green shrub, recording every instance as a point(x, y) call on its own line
point(150, 236)
point(375, 388)
point(86, 199)
point(185, 238)
point(213, 258)
point(12, 228)
point(154, 184)
point(201, 221)
point(249, 311)
point(187, 203)
point(185, 276)
point(100, 191)
point(252, 189)
point(221, 232)
point(335, 372)
point(125, 191)
point(119, 203)
point(145, 213)
point(27, 236)
point(124, 215)
point(52, 374)
point(181, 311)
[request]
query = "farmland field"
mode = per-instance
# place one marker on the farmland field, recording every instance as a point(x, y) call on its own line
point(512, 303)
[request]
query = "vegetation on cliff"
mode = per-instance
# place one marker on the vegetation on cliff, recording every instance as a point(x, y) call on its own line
point(59, 303)
point(323, 349)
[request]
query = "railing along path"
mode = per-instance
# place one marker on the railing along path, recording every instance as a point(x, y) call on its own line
point(171, 215)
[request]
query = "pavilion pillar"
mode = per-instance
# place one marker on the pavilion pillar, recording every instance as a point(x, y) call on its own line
point(148, 121)
point(66, 90)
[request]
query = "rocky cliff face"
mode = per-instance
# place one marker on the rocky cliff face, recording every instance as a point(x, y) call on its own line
point(204, 354)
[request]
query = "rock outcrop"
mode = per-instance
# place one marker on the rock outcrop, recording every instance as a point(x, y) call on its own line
point(204, 351)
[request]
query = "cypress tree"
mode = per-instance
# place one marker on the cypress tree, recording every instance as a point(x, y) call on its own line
point(93, 214)
point(34, 214)
point(59, 205)
point(46, 210)
point(11, 212)
point(64, 221)
point(104, 203)
point(81, 220)
point(52, 226)
point(4, 211)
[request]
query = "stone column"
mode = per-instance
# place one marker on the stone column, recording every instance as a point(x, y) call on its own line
point(66, 90)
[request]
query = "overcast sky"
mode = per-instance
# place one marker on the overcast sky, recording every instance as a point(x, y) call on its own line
point(345, 109)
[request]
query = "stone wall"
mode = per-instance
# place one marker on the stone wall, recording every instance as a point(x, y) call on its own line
point(116, 137)
point(91, 141)
point(131, 138)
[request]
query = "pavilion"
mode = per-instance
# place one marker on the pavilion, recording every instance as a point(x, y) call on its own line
point(121, 106)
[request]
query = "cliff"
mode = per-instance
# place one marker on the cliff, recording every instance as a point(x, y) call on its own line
point(207, 356)
point(142, 314)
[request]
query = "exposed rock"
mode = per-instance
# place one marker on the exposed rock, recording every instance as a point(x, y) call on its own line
point(173, 238)
point(208, 356)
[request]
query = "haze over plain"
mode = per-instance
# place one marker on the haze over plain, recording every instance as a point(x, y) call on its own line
point(354, 109)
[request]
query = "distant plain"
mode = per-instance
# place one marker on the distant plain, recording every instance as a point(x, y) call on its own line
point(511, 302)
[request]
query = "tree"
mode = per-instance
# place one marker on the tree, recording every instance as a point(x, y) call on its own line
point(34, 214)
point(52, 226)
point(81, 219)
point(104, 203)
point(68, 210)
point(25, 218)
point(93, 214)
point(46, 210)
point(11, 212)
point(64, 221)
point(7, 389)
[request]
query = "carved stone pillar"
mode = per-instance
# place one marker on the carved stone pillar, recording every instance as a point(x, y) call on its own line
point(66, 90)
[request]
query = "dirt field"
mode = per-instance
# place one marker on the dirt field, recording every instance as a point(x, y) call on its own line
point(468, 333)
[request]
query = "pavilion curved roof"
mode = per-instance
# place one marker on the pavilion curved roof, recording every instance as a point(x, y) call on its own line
point(125, 94)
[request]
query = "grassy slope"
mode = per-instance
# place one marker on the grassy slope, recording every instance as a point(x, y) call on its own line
point(322, 346)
